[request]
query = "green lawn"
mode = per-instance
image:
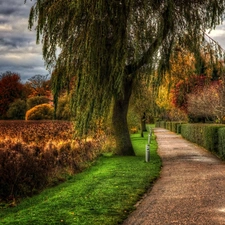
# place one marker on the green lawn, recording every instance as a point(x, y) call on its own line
point(103, 194)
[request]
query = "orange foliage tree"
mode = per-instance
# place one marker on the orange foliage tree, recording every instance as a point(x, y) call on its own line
point(10, 90)
point(171, 98)
point(39, 85)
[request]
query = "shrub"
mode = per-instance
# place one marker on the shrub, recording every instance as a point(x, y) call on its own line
point(27, 169)
point(178, 131)
point(63, 111)
point(133, 120)
point(17, 110)
point(175, 127)
point(221, 142)
point(37, 154)
point(193, 133)
point(211, 138)
point(205, 135)
point(38, 100)
point(40, 112)
point(22, 172)
point(162, 124)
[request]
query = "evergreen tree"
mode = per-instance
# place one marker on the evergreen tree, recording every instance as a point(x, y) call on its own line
point(105, 44)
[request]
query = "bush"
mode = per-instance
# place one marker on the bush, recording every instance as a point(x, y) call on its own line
point(27, 169)
point(221, 142)
point(17, 110)
point(40, 112)
point(162, 124)
point(63, 111)
point(133, 120)
point(172, 126)
point(205, 135)
point(178, 131)
point(211, 138)
point(38, 100)
point(37, 154)
point(193, 133)
point(22, 170)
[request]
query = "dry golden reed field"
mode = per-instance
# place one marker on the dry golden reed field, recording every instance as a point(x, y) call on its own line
point(37, 154)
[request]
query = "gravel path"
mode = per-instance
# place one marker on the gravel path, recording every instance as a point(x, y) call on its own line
point(190, 190)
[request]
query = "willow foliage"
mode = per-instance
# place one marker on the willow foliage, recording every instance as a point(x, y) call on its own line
point(103, 44)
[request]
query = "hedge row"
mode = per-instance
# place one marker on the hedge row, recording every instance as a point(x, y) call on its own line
point(172, 126)
point(209, 136)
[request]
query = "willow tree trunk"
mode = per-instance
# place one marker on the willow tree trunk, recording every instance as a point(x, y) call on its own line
point(119, 121)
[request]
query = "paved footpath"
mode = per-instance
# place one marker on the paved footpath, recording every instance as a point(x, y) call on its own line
point(190, 190)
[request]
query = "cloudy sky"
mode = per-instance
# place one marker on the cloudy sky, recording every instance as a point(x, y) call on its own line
point(18, 50)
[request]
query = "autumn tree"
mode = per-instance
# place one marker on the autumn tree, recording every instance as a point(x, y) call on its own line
point(10, 90)
point(193, 81)
point(185, 87)
point(39, 85)
point(208, 103)
point(17, 110)
point(105, 44)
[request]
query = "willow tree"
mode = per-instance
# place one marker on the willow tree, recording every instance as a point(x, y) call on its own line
point(105, 44)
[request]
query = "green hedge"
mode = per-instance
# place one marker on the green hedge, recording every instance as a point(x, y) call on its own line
point(206, 135)
point(172, 126)
point(221, 142)
point(209, 136)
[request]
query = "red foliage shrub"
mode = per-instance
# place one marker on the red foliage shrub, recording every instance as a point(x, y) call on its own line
point(184, 87)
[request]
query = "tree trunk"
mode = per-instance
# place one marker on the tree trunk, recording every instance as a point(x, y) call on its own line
point(119, 121)
point(143, 124)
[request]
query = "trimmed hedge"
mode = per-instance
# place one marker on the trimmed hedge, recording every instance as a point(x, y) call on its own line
point(221, 142)
point(209, 136)
point(205, 135)
point(172, 126)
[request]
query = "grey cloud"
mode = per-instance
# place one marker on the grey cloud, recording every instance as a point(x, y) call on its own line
point(14, 42)
point(15, 7)
point(3, 21)
point(18, 51)
point(7, 11)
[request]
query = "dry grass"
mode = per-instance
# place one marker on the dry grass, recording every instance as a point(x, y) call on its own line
point(36, 154)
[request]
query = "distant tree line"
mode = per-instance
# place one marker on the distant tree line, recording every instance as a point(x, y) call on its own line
point(17, 98)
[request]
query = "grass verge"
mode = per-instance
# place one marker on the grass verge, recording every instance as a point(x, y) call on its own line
point(104, 194)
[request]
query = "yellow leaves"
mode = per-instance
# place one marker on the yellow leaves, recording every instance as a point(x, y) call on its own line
point(164, 97)
point(182, 65)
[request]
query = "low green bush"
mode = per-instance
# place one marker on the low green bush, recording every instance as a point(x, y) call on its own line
point(210, 138)
point(193, 133)
point(63, 111)
point(205, 135)
point(175, 127)
point(37, 100)
point(40, 112)
point(221, 142)
point(17, 110)
point(168, 126)
point(162, 124)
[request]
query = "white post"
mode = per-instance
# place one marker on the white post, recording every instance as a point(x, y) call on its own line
point(147, 149)
point(147, 153)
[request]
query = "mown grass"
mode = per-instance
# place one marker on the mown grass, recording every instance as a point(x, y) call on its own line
point(103, 194)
